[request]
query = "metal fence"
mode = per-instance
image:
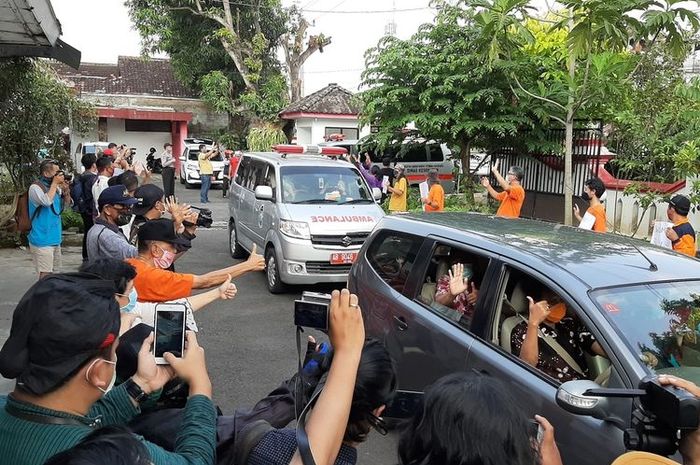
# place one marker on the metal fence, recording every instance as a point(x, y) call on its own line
point(544, 173)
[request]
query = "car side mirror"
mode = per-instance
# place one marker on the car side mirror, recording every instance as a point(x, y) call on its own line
point(263, 192)
point(182, 158)
point(572, 396)
point(377, 194)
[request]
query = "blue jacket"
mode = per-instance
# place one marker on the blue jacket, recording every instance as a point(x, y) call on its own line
point(46, 224)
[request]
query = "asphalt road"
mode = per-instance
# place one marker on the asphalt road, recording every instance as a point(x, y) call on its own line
point(250, 341)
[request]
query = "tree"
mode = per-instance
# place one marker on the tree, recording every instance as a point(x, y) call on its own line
point(662, 145)
point(226, 49)
point(440, 80)
point(596, 32)
point(35, 107)
point(294, 51)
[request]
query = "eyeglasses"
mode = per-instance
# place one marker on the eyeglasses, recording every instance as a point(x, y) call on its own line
point(378, 424)
point(121, 208)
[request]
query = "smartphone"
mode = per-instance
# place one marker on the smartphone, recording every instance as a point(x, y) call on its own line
point(169, 331)
point(536, 432)
point(403, 405)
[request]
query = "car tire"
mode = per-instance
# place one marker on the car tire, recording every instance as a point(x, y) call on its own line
point(233, 246)
point(188, 185)
point(272, 272)
point(182, 179)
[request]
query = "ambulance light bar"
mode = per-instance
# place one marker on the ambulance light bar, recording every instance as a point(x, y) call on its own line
point(289, 149)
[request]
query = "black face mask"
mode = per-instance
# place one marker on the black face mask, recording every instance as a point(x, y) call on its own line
point(123, 219)
point(585, 196)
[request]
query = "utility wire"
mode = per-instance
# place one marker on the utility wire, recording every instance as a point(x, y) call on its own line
point(331, 11)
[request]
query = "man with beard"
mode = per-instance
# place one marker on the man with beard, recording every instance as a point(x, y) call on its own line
point(106, 239)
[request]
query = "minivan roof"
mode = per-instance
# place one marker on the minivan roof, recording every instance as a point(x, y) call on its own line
point(297, 159)
point(596, 259)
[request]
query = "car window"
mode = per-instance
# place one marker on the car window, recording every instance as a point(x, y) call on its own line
point(435, 151)
point(392, 255)
point(323, 184)
point(243, 172)
point(562, 347)
point(454, 300)
point(413, 153)
point(660, 323)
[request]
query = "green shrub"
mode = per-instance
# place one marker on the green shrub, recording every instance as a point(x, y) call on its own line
point(71, 219)
point(453, 203)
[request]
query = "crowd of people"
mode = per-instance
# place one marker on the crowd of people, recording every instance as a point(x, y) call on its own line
point(88, 389)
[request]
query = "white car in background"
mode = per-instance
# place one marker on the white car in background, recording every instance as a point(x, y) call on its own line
point(189, 163)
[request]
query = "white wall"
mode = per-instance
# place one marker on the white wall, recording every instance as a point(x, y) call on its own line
point(624, 213)
point(313, 130)
point(141, 141)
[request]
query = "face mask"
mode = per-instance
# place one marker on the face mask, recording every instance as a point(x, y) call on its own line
point(123, 219)
point(163, 262)
point(556, 313)
point(114, 375)
point(133, 296)
point(585, 196)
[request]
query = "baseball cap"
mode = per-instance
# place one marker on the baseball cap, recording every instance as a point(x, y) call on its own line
point(108, 152)
point(399, 166)
point(681, 204)
point(59, 324)
point(147, 195)
point(643, 458)
point(162, 230)
point(115, 195)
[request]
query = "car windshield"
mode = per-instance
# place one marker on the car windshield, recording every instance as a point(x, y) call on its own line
point(660, 322)
point(323, 184)
point(194, 155)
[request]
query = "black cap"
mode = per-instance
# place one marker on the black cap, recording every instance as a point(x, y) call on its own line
point(162, 230)
point(115, 195)
point(147, 195)
point(681, 204)
point(62, 321)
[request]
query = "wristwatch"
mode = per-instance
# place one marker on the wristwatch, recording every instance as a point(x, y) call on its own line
point(134, 391)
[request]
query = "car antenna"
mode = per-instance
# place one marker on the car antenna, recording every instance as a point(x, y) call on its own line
point(652, 265)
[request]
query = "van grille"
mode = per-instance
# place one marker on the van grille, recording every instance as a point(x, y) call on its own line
point(354, 239)
point(326, 268)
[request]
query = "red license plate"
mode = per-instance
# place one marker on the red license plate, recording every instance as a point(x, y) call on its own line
point(343, 258)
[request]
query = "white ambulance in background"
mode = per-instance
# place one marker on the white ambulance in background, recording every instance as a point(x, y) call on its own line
point(418, 155)
point(306, 210)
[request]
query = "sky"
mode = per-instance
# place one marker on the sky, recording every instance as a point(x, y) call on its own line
point(102, 30)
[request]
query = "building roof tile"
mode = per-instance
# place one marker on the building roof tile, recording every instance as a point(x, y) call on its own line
point(331, 100)
point(129, 76)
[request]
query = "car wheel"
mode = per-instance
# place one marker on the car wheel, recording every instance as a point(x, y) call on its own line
point(182, 179)
point(274, 281)
point(234, 247)
point(188, 185)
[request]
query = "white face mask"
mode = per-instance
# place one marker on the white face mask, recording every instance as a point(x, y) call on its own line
point(114, 375)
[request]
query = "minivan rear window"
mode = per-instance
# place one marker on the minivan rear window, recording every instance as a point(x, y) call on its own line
point(194, 155)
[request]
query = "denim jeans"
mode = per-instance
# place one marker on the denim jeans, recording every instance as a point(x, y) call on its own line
point(206, 184)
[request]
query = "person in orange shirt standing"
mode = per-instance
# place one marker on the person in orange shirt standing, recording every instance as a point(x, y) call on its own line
point(595, 217)
point(435, 201)
point(682, 234)
point(513, 194)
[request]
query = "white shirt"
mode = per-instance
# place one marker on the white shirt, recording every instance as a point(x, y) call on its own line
point(100, 184)
point(167, 159)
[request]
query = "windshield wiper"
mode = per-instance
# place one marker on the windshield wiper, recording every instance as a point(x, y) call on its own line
point(356, 201)
point(314, 201)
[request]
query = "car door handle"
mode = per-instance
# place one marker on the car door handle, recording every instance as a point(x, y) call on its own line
point(401, 324)
point(262, 207)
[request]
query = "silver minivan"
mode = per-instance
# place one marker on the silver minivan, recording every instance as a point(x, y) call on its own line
point(309, 214)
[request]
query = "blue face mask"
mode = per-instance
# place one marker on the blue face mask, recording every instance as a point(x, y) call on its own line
point(128, 308)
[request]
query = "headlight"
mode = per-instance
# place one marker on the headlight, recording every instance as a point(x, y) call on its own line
point(297, 229)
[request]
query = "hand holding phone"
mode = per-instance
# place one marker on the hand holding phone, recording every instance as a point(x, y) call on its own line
point(169, 331)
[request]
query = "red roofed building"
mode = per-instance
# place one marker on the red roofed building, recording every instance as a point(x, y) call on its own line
point(140, 103)
point(331, 110)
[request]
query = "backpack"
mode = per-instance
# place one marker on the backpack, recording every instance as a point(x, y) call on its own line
point(81, 193)
point(23, 223)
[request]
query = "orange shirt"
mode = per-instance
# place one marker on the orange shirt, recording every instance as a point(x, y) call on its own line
point(156, 285)
point(437, 195)
point(511, 202)
point(686, 238)
point(600, 224)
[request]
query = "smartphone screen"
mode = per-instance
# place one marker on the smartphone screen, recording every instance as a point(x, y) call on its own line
point(311, 315)
point(170, 330)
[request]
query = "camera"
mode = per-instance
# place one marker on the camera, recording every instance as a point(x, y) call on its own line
point(66, 176)
point(204, 219)
point(661, 413)
point(312, 311)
